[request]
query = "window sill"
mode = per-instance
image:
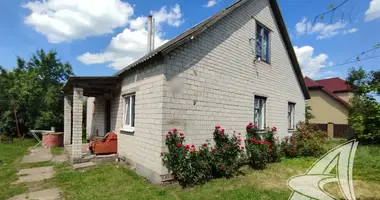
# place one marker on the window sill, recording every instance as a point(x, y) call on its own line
point(128, 129)
point(291, 130)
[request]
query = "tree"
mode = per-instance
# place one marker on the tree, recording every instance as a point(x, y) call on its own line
point(308, 114)
point(32, 96)
point(364, 116)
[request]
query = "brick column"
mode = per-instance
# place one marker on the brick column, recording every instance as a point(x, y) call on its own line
point(67, 119)
point(77, 123)
point(330, 129)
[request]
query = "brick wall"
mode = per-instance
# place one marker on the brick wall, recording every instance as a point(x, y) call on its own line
point(217, 80)
point(142, 147)
point(220, 78)
point(98, 118)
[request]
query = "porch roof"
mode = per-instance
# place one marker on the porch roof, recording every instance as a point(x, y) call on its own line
point(92, 85)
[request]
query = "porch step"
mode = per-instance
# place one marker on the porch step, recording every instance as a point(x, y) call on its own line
point(82, 166)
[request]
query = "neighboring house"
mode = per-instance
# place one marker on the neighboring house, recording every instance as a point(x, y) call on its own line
point(329, 101)
point(235, 67)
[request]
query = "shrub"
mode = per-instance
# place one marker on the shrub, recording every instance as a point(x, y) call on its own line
point(258, 150)
point(305, 141)
point(274, 154)
point(227, 153)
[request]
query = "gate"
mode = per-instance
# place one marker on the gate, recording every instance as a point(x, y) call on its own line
point(342, 131)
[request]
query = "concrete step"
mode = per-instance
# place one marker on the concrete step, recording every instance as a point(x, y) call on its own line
point(82, 166)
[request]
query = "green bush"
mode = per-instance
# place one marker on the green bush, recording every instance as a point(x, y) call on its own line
point(227, 153)
point(189, 166)
point(261, 148)
point(305, 141)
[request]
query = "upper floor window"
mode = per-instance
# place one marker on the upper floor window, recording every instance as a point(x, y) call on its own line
point(259, 109)
point(291, 107)
point(129, 112)
point(262, 43)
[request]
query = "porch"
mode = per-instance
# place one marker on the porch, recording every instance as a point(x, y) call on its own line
point(76, 91)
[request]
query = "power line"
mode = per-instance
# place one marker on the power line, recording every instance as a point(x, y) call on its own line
point(345, 63)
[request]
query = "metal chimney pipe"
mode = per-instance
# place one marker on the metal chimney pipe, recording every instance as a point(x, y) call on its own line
point(149, 47)
point(153, 32)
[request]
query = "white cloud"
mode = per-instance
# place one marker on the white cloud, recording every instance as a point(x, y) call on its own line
point(352, 30)
point(322, 30)
point(373, 12)
point(66, 20)
point(210, 3)
point(131, 44)
point(311, 64)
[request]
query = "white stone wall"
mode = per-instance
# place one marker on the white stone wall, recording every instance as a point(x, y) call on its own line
point(98, 117)
point(220, 78)
point(142, 148)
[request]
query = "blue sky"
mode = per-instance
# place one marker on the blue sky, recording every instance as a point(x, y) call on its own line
point(100, 36)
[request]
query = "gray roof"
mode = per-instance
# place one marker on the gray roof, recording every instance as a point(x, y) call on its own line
point(199, 28)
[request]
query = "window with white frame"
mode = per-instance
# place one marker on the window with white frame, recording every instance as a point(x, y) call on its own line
point(262, 43)
point(129, 112)
point(291, 111)
point(259, 112)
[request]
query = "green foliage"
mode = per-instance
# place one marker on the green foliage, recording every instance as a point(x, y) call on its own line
point(32, 92)
point(308, 114)
point(227, 153)
point(305, 141)
point(261, 148)
point(364, 115)
point(191, 165)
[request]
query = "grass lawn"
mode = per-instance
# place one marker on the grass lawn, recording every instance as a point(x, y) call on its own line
point(110, 181)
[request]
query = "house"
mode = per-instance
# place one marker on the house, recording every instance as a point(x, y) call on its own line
point(235, 67)
point(329, 101)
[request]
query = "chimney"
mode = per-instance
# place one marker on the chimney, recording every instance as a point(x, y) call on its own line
point(149, 47)
point(153, 32)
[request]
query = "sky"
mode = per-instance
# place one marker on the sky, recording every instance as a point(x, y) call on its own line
point(99, 37)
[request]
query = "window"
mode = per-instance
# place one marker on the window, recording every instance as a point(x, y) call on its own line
point(129, 112)
point(259, 115)
point(291, 107)
point(262, 43)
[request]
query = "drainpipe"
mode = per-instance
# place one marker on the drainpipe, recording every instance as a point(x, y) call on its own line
point(149, 47)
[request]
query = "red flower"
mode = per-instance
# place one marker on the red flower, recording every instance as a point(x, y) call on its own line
point(294, 149)
point(222, 167)
point(222, 131)
point(226, 147)
point(242, 147)
point(187, 147)
point(161, 154)
point(204, 145)
point(175, 130)
point(274, 128)
point(219, 150)
point(179, 144)
point(248, 126)
point(255, 126)
point(166, 138)
point(213, 150)
point(181, 134)
point(192, 146)
point(250, 123)
point(270, 150)
point(169, 133)
point(252, 139)
point(217, 127)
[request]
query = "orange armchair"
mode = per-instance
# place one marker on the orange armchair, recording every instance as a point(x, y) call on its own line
point(106, 146)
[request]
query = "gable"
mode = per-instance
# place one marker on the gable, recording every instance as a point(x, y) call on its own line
point(200, 28)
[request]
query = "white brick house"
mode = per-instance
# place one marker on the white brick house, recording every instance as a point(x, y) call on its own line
point(236, 67)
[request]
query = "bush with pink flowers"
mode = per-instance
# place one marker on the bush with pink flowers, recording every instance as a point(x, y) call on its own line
point(305, 141)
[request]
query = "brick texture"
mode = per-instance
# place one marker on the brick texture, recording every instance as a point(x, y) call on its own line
point(77, 123)
point(220, 78)
point(210, 80)
point(67, 106)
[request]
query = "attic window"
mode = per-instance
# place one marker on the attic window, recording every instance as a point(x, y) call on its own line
point(262, 43)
